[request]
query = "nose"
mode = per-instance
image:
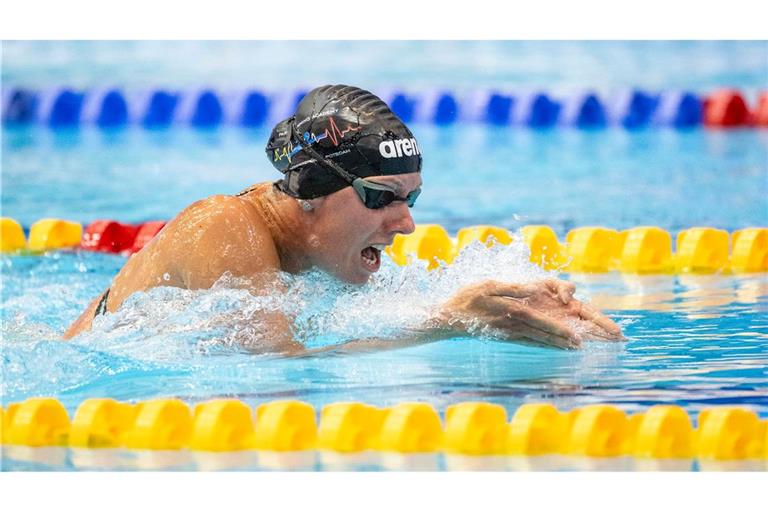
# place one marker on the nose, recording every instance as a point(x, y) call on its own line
point(402, 222)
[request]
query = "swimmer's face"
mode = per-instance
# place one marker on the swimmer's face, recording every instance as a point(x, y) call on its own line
point(349, 238)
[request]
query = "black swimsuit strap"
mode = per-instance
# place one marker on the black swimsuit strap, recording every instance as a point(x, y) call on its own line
point(247, 191)
point(101, 309)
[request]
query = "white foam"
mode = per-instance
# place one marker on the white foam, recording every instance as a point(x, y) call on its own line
point(165, 322)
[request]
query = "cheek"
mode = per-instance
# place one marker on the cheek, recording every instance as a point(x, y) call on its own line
point(346, 225)
point(335, 239)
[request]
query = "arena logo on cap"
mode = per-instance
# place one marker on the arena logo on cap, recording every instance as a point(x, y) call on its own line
point(399, 147)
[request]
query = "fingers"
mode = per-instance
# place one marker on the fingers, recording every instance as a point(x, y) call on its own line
point(499, 289)
point(524, 305)
point(602, 321)
point(518, 314)
point(592, 332)
point(562, 290)
point(554, 340)
point(565, 291)
point(533, 336)
point(539, 320)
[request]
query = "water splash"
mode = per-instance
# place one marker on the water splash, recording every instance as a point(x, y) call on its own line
point(167, 323)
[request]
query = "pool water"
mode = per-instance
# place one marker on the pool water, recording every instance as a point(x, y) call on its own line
point(695, 341)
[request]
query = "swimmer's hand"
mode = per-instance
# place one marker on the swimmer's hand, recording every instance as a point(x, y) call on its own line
point(539, 313)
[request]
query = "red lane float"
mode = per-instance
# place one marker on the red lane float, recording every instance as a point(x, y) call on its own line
point(146, 232)
point(761, 112)
point(109, 236)
point(726, 108)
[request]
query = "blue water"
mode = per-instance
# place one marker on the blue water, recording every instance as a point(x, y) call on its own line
point(472, 175)
point(693, 341)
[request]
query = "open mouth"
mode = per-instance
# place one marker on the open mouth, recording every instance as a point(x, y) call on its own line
point(371, 257)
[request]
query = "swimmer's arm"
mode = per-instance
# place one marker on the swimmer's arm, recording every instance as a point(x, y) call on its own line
point(541, 313)
point(410, 338)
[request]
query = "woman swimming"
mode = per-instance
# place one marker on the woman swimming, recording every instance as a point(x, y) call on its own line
point(352, 170)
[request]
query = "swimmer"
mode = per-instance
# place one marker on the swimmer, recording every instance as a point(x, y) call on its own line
point(351, 172)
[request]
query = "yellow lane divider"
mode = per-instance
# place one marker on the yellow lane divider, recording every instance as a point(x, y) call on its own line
point(475, 429)
point(285, 425)
point(101, 423)
point(593, 249)
point(538, 429)
point(222, 426)
point(44, 235)
point(470, 428)
point(11, 236)
point(47, 234)
point(545, 249)
point(349, 427)
point(639, 250)
point(702, 250)
point(410, 428)
point(750, 250)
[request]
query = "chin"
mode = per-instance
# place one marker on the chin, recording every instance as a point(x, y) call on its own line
point(352, 274)
point(358, 276)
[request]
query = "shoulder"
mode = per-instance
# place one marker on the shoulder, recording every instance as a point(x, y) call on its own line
point(217, 206)
point(221, 234)
point(225, 214)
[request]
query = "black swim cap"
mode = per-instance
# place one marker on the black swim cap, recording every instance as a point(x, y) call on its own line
point(345, 126)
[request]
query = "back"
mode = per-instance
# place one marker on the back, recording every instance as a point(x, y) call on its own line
point(208, 238)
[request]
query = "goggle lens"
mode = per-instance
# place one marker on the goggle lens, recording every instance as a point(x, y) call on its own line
point(375, 198)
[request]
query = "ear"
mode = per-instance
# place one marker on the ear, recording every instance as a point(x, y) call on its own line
point(309, 205)
point(316, 202)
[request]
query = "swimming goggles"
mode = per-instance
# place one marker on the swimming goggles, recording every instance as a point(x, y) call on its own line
point(373, 195)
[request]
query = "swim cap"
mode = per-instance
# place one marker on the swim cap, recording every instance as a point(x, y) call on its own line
point(338, 131)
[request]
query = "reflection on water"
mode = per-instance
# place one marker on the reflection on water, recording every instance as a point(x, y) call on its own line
point(475, 462)
point(700, 296)
point(218, 461)
point(410, 461)
point(287, 461)
point(55, 458)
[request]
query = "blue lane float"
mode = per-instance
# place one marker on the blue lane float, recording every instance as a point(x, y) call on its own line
point(446, 110)
point(160, 110)
point(583, 110)
point(207, 108)
point(66, 109)
point(255, 109)
point(640, 110)
point(20, 107)
point(208, 111)
point(544, 112)
point(632, 109)
point(403, 107)
point(499, 109)
point(679, 109)
point(114, 110)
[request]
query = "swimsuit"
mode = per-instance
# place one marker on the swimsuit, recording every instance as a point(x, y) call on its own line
point(101, 309)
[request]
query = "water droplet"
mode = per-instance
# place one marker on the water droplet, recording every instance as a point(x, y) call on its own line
point(166, 277)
